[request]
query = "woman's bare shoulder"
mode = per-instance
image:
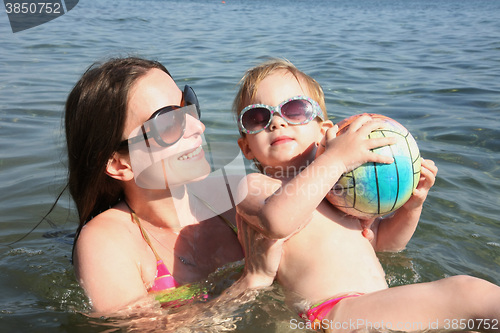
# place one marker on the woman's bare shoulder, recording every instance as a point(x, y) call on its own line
point(106, 259)
point(108, 232)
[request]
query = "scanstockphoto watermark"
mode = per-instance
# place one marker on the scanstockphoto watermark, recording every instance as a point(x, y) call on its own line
point(26, 14)
point(358, 324)
point(309, 188)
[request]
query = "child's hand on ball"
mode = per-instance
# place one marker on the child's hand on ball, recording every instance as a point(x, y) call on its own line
point(354, 148)
point(428, 174)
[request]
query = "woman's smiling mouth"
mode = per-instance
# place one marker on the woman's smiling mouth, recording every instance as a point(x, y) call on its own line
point(191, 154)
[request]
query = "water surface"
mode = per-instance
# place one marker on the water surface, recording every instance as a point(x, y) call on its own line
point(432, 65)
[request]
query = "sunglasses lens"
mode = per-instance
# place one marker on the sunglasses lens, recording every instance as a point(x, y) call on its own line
point(190, 98)
point(192, 111)
point(169, 126)
point(297, 111)
point(255, 119)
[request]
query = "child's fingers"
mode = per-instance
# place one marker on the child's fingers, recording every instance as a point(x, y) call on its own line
point(368, 234)
point(370, 126)
point(428, 174)
point(380, 142)
point(331, 133)
point(427, 179)
point(430, 165)
point(358, 123)
point(377, 158)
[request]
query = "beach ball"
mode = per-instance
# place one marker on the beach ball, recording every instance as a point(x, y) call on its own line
point(376, 189)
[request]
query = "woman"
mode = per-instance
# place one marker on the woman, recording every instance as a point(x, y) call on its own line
point(131, 231)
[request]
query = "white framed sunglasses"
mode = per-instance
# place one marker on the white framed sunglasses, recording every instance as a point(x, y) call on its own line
point(297, 110)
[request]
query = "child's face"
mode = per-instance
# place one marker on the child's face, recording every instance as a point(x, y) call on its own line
point(282, 145)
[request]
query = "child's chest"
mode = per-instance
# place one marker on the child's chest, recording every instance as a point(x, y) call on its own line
point(327, 235)
point(330, 256)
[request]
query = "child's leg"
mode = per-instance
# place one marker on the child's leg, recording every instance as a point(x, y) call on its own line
point(456, 303)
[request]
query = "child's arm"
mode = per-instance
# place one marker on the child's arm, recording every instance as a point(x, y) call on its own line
point(394, 232)
point(278, 209)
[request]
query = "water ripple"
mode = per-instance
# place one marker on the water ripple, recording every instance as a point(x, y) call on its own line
point(432, 65)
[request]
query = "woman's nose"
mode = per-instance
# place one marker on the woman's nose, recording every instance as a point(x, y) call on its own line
point(194, 126)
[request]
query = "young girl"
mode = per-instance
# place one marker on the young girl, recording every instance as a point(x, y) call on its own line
point(326, 260)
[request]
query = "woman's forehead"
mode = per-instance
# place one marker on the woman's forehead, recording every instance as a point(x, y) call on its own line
point(153, 91)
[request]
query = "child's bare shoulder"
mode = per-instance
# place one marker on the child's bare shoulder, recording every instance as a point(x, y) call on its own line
point(256, 188)
point(261, 184)
point(260, 178)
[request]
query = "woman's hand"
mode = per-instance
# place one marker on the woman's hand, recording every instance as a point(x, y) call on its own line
point(262, 255)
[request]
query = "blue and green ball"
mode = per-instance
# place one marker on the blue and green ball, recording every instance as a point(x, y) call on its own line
point(376, 189)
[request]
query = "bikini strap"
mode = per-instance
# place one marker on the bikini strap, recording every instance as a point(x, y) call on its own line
point(135, 219)
point(228, 223)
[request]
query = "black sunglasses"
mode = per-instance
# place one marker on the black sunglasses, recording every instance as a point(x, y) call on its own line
point(165, 126)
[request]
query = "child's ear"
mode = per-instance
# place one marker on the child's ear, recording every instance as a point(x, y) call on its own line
point(245, 148)
point(325, 126)
point(119, 167)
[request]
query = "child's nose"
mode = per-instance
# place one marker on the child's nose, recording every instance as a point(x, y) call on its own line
point(194, 126)
point(277, 122)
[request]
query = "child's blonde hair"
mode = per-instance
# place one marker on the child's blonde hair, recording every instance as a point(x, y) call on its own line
point(252, 78)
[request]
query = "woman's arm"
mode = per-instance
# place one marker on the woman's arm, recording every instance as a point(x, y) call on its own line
point(105, 269)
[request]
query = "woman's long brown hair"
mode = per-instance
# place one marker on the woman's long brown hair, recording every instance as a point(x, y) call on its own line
point(95, 114)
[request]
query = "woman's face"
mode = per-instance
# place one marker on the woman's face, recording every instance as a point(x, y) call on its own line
point(154, 166)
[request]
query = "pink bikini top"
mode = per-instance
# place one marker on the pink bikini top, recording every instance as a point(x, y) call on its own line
point(164, 279)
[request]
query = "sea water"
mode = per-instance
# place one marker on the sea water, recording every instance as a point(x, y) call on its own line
point(434, 66)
